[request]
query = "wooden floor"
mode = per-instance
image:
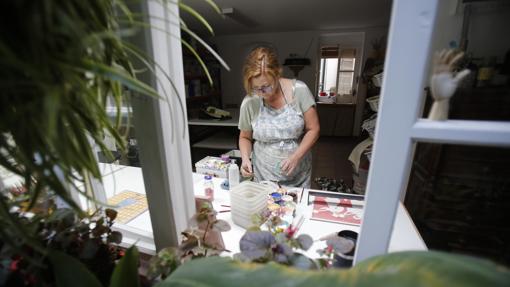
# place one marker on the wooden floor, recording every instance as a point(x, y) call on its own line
point(330, 158)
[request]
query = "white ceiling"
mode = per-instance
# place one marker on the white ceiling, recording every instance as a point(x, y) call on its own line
point(262, 16)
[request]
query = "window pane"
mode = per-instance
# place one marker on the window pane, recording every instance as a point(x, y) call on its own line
point(347, 64)
point(484, 94)
point(330, 74)
point(345, 80)
point(321, 76)
point(124, 186)
point(459, 197)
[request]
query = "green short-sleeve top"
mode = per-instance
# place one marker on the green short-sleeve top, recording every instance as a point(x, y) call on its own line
point(250, 107)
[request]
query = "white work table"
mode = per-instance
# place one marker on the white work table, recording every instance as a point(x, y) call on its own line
point(119, 178)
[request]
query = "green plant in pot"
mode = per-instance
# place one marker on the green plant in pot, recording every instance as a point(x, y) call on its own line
point(91, 240)
point(202, 239)
point(61, 62)
point(412, 268)
point(270, 260)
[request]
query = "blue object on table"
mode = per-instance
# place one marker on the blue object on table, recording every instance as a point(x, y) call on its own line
point(276, 196)
point(224, 185)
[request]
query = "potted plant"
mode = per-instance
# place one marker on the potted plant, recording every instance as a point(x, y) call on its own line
point(60, 63)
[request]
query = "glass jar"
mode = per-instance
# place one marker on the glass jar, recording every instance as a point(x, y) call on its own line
point(209, 187)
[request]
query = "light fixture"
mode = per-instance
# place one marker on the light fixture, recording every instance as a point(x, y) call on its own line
point(296, 64)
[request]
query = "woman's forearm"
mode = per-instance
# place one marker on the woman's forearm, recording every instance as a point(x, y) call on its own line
point(245, 147)
point(312, 131)
point(307, 142)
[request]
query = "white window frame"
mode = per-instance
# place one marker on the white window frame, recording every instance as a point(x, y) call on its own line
point(353, 71)
point(162, 130)
point(162, 134)
point(338, 71)
point(399, 126)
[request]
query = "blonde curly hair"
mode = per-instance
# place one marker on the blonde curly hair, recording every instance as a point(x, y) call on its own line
point(260, 61)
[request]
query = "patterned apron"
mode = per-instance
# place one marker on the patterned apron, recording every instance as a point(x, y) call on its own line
point(277, 135)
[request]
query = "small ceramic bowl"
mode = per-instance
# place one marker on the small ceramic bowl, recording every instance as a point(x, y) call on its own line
point(345, 260)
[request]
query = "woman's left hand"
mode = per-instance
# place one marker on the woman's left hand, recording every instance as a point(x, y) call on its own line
point(290, 164)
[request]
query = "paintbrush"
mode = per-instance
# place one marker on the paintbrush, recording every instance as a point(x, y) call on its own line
point(301, 197)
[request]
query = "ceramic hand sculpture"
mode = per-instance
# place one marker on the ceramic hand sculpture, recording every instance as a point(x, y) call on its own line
point(443, 82)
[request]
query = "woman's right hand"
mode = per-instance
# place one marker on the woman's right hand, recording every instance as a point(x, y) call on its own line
point(246, 169)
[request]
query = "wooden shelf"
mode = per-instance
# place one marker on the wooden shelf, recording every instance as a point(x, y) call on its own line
point(197, 98)
point(220, 140)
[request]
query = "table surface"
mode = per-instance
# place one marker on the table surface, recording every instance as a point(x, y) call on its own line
point(217, 122)
point(118, 178)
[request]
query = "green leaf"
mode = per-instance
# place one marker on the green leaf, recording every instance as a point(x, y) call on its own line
point(418, 268)
point(196, 15)
point(204, 67)
point(211, 50)
point(214, 6)
point(433, 268)
point(68, 271)
point(121, 76)
point(126, 271)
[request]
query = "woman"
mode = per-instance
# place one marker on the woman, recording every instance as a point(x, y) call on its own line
point(278, 116)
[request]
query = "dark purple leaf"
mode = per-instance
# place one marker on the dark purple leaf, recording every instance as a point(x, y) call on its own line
point(115, 237)
point(305, 241)
point(302, 262)
point(255, 245)
point(111, 214)
point(340, 244)
point(282, 253)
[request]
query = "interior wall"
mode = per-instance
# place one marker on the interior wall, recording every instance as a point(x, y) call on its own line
point(488, 30)
point(448, 24)
point(234, 48)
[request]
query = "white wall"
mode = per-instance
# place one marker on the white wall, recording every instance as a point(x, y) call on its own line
point(489, 30)
point(448, 24)
point(234, 48)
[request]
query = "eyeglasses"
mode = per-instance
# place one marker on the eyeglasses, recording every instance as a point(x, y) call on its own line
point(263, 90)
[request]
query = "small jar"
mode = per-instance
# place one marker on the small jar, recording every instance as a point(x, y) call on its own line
point(208, 187)
point(225, 158)
point(277, 197)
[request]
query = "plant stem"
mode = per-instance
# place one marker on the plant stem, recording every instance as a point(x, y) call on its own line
point(205, 231)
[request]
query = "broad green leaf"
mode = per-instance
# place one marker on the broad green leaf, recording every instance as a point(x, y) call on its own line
point(126, 271)
point(69, 271)
point(395, 269)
